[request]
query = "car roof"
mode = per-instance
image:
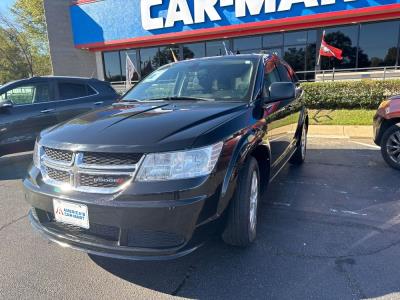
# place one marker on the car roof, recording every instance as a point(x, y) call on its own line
point(41, 78)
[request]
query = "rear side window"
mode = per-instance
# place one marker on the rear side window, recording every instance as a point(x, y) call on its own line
point(109, 89)
point(91, 91)
point(69, 90)
point(284, 73)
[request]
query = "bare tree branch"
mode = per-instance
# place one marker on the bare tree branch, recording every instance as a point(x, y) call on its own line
point(15, 35)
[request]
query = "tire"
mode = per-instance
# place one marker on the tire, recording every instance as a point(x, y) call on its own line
point(241, 227)
point(299, 155)
point(390, 146)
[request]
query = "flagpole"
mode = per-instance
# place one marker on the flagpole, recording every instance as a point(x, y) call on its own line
point(126, 71)
point(319, 52)
point(173, 55)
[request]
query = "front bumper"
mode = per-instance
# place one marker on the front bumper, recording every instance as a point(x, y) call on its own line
point(125, 227)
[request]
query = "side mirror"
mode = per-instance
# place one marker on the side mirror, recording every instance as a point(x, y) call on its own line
point(282, 91)
point(6, 104)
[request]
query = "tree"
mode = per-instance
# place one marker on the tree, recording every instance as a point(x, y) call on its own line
point(12, 62)
point(31, 17)
point(24, 48)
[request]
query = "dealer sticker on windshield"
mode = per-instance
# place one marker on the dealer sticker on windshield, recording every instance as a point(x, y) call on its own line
point(71, 213)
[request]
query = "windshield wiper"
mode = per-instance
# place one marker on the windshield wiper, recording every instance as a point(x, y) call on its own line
point(129, 100)
point(180, 98)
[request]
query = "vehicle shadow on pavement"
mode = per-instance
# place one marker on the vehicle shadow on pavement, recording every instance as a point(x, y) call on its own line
point(325, 231)
point(14, 167)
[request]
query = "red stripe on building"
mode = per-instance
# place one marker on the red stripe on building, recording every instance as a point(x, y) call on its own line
point(311, 21)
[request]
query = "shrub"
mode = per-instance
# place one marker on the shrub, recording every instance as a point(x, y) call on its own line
point(364, 94)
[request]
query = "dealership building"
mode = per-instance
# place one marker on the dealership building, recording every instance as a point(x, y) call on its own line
point(94, 37)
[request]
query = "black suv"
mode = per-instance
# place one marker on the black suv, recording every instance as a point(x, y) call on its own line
point(28, 106)
point(188, 151)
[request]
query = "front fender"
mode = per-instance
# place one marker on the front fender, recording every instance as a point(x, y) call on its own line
point(246, 144)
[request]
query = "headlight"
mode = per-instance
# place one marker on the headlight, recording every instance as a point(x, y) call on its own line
point(37, 155)
point(180, 165)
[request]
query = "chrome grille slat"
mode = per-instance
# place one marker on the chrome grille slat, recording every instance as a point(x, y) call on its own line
point(110, 159)
point(57, 175)
point(60, 156)
point(84, 173)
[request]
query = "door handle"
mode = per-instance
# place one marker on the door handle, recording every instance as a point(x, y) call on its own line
point(46, 111)
point(98, 103)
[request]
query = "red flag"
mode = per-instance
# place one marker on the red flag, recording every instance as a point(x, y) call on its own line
point(330, 51)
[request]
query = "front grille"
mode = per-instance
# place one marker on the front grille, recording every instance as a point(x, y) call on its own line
point(91, 172)
point(63, 156)
point(58, 175)
point(111, 159)
point(154, 239)
point(109, 233)
point(103, 181)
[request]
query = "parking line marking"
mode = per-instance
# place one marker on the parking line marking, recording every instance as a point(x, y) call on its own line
point(348, 212)
point(367, 145)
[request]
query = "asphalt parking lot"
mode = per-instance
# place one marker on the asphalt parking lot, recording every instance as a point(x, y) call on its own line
point(328, 230)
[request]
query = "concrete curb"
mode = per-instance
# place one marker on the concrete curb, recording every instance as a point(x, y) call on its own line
point(340, 131)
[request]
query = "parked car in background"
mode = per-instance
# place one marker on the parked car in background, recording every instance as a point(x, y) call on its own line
point(31, 105)
point(188, 150)
point(387, 131)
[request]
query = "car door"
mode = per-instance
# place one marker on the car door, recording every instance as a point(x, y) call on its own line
point(278, 118)
point(294, 107)
point(30, 112)
point(76, 97)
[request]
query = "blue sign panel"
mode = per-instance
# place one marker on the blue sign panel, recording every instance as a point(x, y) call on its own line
point(115, 20)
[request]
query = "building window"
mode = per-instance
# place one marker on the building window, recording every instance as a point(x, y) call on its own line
point(295, 56)
point(311, 54)
point(112, 66)
point(295, 38)
point(247, 45)
point(273, 40)
point(133, 56)
point(149, 60)
point(166, 56)
point(378, 44)
point(195, 50)
point(216, 48)
point(344, 38)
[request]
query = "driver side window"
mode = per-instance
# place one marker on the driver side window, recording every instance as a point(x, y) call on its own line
point(27, 94)
point(271, 76)
point(21, 95)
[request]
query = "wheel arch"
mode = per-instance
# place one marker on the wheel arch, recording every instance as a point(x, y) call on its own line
point(248, 146)
point(262, 154)
point(387, 123)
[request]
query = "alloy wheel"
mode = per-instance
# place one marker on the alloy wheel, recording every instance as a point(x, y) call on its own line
point(254, 193)
point(393, 147)
point(303, 142)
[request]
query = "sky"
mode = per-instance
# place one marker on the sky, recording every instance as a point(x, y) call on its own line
point(4, 4)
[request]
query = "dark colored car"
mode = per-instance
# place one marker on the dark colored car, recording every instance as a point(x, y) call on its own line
point(28, 106)
point(186, 153)
point(387, 131)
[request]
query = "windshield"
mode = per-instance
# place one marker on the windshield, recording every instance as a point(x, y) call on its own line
point(224, 79)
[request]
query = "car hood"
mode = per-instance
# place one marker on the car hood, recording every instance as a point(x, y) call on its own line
point(145, 127)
